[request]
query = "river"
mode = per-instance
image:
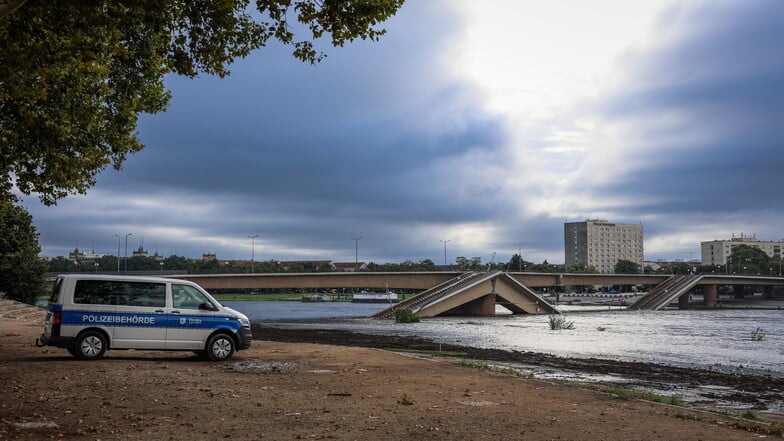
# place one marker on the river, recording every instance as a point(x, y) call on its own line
point(719, 339)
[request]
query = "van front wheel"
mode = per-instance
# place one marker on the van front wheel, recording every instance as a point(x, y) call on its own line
point(220, 347)
point(90, 346)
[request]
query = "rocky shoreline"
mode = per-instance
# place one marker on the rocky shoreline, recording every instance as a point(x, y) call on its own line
point(756, 392)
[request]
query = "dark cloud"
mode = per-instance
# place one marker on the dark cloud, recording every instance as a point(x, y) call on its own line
point(306, 157)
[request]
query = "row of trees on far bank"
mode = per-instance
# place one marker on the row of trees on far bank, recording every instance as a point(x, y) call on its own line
point(747, 260)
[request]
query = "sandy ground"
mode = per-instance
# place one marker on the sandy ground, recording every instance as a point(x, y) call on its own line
point(281, 391)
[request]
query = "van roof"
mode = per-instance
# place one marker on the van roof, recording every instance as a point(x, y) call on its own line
point(85, 276)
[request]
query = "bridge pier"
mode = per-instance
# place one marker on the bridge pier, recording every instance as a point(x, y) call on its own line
point(483, 306)
point(768, 293)
point(710, 294)
point(739, 291)
point(683, 301)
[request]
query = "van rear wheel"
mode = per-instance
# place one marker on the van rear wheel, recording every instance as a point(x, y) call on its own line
point(90, 345)
point(220, 347)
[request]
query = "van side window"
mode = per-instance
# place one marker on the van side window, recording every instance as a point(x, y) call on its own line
point(145, 294)
point(187, 297)
point(54, 296)
point(101, 292)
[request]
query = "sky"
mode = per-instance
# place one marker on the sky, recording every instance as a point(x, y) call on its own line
point(475, 128)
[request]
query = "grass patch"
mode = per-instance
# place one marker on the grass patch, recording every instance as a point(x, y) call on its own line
point(435, 353)
point(686, 416)
point(574, 362)
point(259, 297)
point(488, 367)
point(641, 394)
point(749, 415)
point(757, 334)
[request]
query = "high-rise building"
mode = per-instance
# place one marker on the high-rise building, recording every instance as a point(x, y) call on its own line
point(716, 252)
point(601, 244)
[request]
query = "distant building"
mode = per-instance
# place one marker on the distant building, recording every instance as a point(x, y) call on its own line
point(81, 256)
point(716, 252)
point(140, 252)
point(601, 244)
point(208, 256)
point(350, 267)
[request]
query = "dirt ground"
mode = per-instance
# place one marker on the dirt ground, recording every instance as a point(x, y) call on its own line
point(282, 391)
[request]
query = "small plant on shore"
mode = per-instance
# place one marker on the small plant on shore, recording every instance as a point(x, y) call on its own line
point(686, 416)
point(757, 334)
point(406, 315)
point(749, 415)
point(558, 322)
point(601, 328)
point(405, 401)
point(627, 394)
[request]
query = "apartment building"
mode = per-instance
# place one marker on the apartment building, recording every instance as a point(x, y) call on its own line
point(601, 244)
point(716, 252)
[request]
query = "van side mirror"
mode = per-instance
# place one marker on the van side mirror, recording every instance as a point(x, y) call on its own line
point(206, 306)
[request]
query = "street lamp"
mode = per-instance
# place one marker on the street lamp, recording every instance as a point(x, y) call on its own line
point(125, 257)
point(253, 252)
point(356, 251)
point(161, 267)
point(445, 242)
point(118, 252)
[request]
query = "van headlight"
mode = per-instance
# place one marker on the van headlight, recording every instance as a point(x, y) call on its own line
point(245, 323)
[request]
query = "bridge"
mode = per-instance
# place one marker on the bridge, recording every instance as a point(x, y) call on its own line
point(452, 292)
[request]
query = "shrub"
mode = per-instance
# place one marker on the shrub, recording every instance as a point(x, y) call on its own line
point(757, 334)
point(558, 322)
point(405, 315)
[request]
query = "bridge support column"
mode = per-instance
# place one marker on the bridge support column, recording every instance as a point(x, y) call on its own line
point(483, 306)
point(739, 291)
point(768, 293)
point(710, 294)
point(683, 301)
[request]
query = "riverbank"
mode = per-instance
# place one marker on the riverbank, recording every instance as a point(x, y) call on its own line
point(733, 392)
point(286, 390)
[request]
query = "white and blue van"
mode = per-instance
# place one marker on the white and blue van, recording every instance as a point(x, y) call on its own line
point(89, 314)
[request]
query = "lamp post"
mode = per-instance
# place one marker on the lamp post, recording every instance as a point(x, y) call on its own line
point(356, 251)
point(445, 242)
point(520, 255)
point(253, 252)
point(780, 258)
point(125, 257)
point(161, 267)
point(118, 252)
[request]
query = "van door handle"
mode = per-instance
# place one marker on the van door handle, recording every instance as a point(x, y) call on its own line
point(174, 311)
point(159, 310)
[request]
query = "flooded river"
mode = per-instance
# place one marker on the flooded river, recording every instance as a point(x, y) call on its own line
point(719, 340)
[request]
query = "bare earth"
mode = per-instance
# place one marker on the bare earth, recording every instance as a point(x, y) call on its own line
point(282, 391)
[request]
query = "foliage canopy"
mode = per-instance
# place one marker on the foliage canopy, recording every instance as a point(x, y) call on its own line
point(75, 75)
point(21, 270)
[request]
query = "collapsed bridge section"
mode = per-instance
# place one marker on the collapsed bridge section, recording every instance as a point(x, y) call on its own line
point(474, 293)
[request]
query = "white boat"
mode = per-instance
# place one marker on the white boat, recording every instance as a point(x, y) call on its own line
point(374, 297)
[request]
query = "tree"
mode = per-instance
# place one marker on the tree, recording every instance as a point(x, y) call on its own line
point(626, 267)
point(21, 270)
point(746, 259)
point(75, 75)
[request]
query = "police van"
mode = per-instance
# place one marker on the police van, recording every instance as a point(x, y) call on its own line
point(89, 314)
